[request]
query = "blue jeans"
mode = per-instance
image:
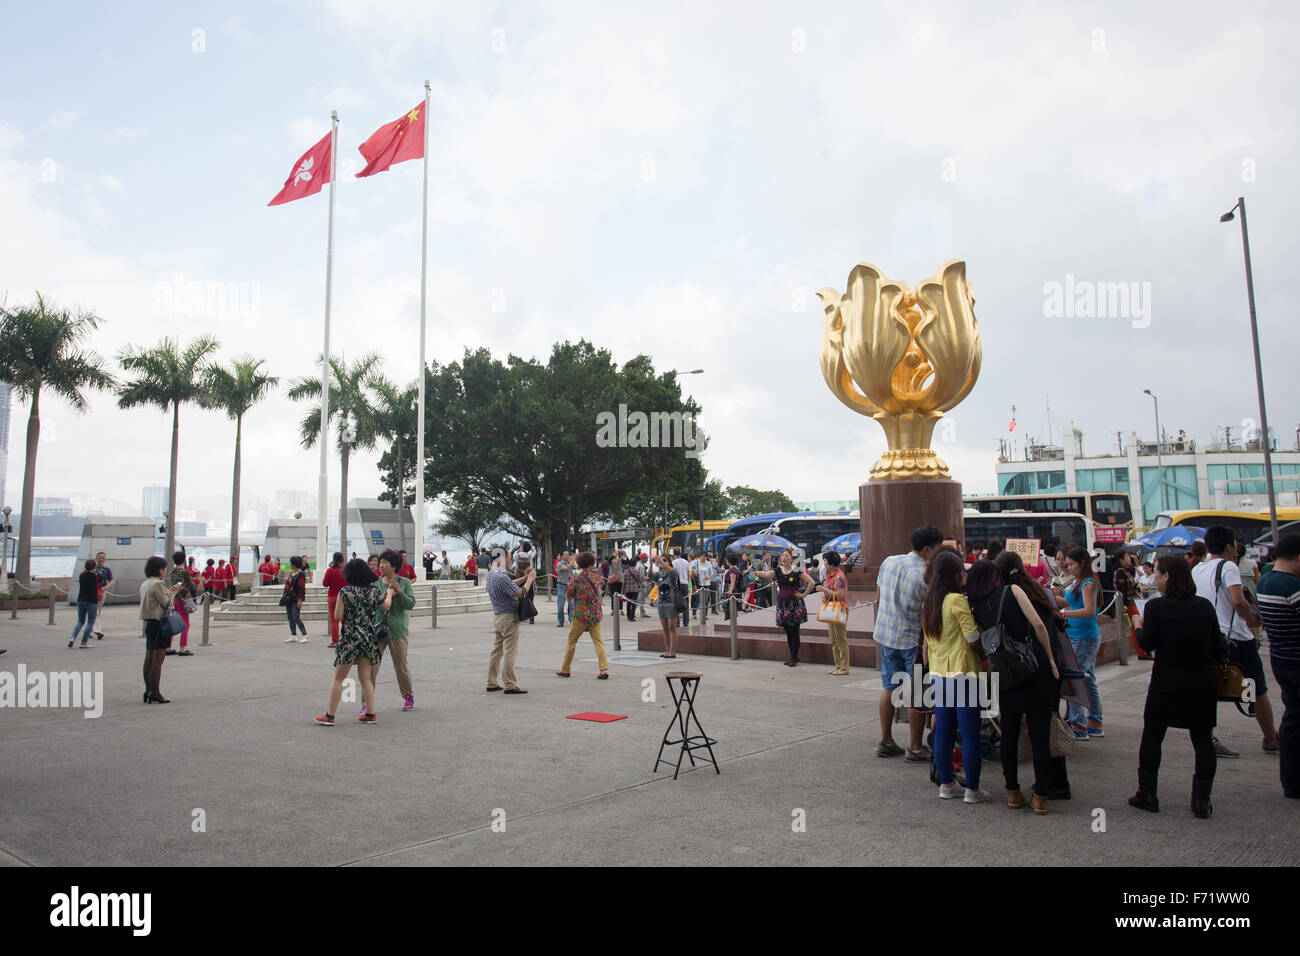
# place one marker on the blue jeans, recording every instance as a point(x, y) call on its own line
point(295, 618)
point(947, 720)
point(1086, 652)
point(1287, 675)
point(561, 597)
point(86, 611)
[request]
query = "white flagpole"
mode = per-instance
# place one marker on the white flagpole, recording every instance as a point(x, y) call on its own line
point(323, 439)
point(418, 554)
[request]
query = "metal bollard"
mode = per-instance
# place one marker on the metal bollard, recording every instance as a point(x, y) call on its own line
point(207, 615)
point(735, 640)
point(434, 603)
point(618, 617)
point(1121, 631)
point(13, 604)
point(52, 589)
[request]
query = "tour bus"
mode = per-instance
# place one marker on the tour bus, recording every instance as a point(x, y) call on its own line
point(686, 538)
point(744, 527)
point(1246, 525)
point(1109, 512)
point(811, 532)
point(1049, 528)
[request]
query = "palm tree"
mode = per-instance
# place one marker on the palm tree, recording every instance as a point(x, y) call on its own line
point(235, 390)
point(351, 408)
point(396, 418)
point(168, 377)
point(467, 519)
point(40, 350)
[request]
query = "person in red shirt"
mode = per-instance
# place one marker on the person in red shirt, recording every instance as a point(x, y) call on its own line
point(207, 574)
point(231, 579)
point(267, 570)
point(407, 569)
point(334, 582)
point(471, 570)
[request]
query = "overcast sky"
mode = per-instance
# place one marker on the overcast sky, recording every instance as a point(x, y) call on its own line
point(672, 178)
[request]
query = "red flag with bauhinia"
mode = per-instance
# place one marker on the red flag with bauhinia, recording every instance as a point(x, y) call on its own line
point(394, 142)
point(310, 173)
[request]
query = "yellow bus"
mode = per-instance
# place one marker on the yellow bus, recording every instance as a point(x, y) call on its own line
point(686, 538)
point(1246, 525)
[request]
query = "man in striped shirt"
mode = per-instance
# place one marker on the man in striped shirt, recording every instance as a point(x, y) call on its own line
point(1278, 592)
point(901, 583)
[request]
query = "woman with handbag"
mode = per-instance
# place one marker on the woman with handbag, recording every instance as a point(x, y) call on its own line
point(836, 590)
point(1184, 629)
point(950, 647)
point(357, 610)
point(155, 603)
point(1028, 616)
point(183, 602)
point(790, 608)
point(671, 601)
point(295, 592)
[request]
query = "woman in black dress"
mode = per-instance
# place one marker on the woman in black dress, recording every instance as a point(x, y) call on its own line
point(1029, 617)
point(790, 608)
point(1184, 629)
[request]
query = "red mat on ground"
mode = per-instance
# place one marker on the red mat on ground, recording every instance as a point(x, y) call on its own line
point(597, 718)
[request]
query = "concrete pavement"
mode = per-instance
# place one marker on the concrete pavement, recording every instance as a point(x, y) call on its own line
point(237, 751)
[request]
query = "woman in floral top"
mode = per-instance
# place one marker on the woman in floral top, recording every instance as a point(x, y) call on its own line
point(585, 589)
point(356, 609)
point(189, 590)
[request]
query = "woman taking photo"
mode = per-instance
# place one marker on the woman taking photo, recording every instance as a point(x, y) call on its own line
point(836, 588)
point(670, 586)
point(1079, 608)
point(155, 601)
point(1029, 616)
point(790, 608)
point(951, 637)
point(295, 592)
point(355, 612)
point(1184, 629)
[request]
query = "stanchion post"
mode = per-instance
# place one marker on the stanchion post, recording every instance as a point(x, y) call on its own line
point(735, 638)
point(618, 616)
point(52, 590)
point(207, 615)
point(13, 603)
point(434, 604)
point(1120, 631)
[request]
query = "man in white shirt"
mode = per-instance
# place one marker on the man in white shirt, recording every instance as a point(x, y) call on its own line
point(683, 569)
point(1218, 580)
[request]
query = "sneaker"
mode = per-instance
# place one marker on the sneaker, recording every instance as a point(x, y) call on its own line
point(366, 719)
point(326, 719)
point(292, 639)
point(919, 755)
point(949, 791)
point(975, 796)
point(1271, 746)
point(302, 640)
point(1079, 733)
point(408, 702)
point(1095, 728)
point(889, 749)
point(1222, 751)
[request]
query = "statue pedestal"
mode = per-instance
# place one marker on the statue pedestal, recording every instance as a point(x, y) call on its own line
point(892, 510)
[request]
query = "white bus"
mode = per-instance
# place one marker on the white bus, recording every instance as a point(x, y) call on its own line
point(1050, 529)
point(811, 532)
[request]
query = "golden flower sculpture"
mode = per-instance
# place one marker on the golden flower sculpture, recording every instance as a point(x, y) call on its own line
point(903, 358)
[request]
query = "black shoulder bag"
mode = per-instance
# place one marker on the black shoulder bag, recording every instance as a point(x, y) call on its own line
point(1011, 659)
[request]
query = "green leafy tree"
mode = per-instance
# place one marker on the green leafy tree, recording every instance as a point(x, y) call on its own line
point(351, 408)
point(235, 390)
point(167, 377)
point(524, 435)
point(395, 420)
point(41, 351)
point(744, 501)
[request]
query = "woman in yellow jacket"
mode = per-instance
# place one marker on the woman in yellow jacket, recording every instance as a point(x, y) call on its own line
point(951, 639)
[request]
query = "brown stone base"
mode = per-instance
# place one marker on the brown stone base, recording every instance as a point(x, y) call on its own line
point(892, 510)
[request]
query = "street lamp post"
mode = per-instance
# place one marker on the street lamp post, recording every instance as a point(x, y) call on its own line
point(1160, 465)
point(4, 550)
point(1259, 371)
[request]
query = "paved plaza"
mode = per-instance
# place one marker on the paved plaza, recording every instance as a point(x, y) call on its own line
point(425, 788)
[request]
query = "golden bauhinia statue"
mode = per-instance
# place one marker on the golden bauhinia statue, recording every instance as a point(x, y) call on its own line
point(903, 358)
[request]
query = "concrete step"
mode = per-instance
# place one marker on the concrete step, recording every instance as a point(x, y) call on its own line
point(236, 615)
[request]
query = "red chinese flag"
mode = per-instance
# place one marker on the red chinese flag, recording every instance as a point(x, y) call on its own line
point(310, 173)
point(394, 142)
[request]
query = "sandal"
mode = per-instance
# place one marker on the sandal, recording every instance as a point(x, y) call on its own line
point(668, 655)
point(562, 674)
point(603, 675)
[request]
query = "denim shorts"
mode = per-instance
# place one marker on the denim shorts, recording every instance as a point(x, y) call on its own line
point(1246, 654)
point(894, 663)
